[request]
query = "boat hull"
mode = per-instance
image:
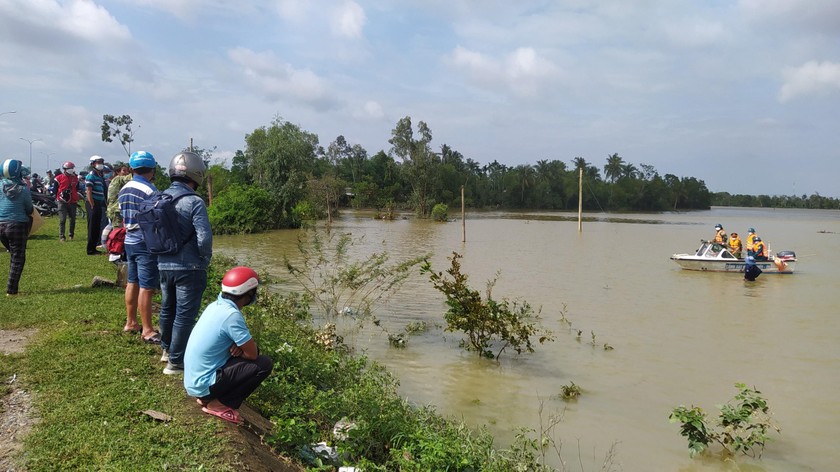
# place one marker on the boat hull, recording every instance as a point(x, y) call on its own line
point(717, 265)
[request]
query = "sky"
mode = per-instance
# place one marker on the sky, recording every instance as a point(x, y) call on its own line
point(743, 94)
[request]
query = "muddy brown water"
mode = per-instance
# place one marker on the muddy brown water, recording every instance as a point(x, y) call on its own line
point(679, 337)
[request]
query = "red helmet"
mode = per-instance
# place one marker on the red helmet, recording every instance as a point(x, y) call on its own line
point(240, 280)
point(68, 165)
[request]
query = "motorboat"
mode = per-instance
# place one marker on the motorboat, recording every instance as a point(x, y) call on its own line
point(714, 257)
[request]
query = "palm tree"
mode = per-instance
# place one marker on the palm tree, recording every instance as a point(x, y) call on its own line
point(614, 167)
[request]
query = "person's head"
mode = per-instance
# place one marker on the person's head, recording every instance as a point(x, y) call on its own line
point(751, 230)
point(49, 174)
point(734, 235)
point(757, 239)
point(240, 285)
point(124, 170)
point(187, 167)
point(68, 168)
point(718, 227)
point(142, 163)
point(12, 169)
point(97, 163)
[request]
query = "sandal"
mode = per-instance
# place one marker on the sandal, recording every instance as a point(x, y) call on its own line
point(228, 414)
point(153, 339)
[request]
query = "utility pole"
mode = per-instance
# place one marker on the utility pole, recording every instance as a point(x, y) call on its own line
point(30, 141)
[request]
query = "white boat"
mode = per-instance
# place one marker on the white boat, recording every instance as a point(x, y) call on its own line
point(713, 257)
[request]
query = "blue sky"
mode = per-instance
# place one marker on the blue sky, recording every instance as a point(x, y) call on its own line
point(742, 94)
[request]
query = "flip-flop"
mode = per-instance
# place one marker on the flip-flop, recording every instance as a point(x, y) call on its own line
point(153, 339)
point(228, 414)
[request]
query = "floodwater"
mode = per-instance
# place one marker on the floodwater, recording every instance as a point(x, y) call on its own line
point(679, 337)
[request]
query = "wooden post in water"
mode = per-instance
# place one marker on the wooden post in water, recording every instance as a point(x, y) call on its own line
point(580, 201)
point(463, 218)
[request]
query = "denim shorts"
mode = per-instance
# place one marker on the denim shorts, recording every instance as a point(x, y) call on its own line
point(142, 266)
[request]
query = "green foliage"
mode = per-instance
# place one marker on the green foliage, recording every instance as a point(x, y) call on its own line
point(340, 284)
point(118, 127)
point(570, 392)
point(742, 426)
point(242, 210)
point(304, 214)
point(440, 212)
point(489, 324)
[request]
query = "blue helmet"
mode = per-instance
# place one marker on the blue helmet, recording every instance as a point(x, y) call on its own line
point(142, 159)
point(12, 168)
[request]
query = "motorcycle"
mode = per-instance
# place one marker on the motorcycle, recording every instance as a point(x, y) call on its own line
point(44, 203)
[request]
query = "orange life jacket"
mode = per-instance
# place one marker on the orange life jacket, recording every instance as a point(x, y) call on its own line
point(760, 249)
point(720, 237)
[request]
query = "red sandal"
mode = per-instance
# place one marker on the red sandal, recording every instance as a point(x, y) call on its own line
point(228, 414)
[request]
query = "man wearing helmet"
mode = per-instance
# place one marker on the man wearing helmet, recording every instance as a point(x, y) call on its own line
point(15, 208)
point(67, 198)
point(222, 365)
point(183, 275)
point(95, 189)
point(142, 272)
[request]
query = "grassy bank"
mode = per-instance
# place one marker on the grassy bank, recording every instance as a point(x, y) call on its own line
point(90, 380)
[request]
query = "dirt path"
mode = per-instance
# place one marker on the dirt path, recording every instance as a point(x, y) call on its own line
point(16, 413)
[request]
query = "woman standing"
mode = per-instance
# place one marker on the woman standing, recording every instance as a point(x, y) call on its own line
point(15, 208)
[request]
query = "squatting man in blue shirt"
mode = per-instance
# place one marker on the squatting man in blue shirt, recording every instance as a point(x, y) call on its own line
point(222, 365)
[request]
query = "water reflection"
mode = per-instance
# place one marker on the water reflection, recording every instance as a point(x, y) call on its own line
point(680, 337)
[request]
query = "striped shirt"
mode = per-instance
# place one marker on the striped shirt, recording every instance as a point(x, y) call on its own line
point(130, 196)
point(96, 184)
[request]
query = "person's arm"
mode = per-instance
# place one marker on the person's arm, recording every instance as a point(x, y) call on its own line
point(203, 233)
point(246, 351)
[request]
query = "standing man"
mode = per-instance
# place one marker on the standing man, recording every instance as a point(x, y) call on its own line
point(142, 280)
point(112, 211)
point(183, 275)
point(95, 189)
point(222, 363)
point(15, 208)
point(67, 198)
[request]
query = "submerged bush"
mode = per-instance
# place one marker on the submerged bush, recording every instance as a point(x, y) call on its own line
point(242, 210)
point(440, 212)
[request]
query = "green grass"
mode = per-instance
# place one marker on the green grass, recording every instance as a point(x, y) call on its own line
point(91, 381)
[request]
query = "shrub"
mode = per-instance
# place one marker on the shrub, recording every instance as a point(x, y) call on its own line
point(742, 426)
point(487, 323)
point(242, 210)
point(440, 212)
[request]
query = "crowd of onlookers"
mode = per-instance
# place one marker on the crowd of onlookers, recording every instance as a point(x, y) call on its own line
point(215, 352)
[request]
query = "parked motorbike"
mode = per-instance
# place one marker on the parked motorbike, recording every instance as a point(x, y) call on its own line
point(44, 203)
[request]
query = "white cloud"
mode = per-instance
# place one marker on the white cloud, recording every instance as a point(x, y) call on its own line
point(277, 80)
point(371, 110)
point(695, 32)
point(523, 71)
point(292, 10)
point(811, 78)
point(348, 20)
point(83, 135)
point(57, 22)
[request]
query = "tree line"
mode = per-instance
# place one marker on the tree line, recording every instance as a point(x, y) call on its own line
point(294, 177)
point(813, 202)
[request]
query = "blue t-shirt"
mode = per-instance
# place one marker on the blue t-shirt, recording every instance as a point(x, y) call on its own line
point(208, 348)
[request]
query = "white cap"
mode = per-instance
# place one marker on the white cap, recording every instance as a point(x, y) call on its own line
point(94, 158)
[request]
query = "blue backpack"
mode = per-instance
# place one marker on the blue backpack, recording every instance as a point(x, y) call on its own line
point(158, 221)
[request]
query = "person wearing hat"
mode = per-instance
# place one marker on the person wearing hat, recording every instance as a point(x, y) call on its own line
point(759, 249)
point(751, 271)
point(222, 365)
point(15, 208)
point(750, 241)
point(95, 197)
point(720, 235)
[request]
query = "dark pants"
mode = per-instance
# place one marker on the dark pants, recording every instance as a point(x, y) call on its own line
point(13, 236)
point(238, 379)
point(180, 292)
point(95, 226)
point(65, 210)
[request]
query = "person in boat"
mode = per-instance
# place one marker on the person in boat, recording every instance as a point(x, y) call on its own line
point(759, 249)
point(751, 271)
point(720, 235)
point(735, 245)
point(750, 241)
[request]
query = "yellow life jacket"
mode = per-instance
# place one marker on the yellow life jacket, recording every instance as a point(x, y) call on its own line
point(760, 249)
point(720, 236)
point(735, 244)
point(750, 243)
